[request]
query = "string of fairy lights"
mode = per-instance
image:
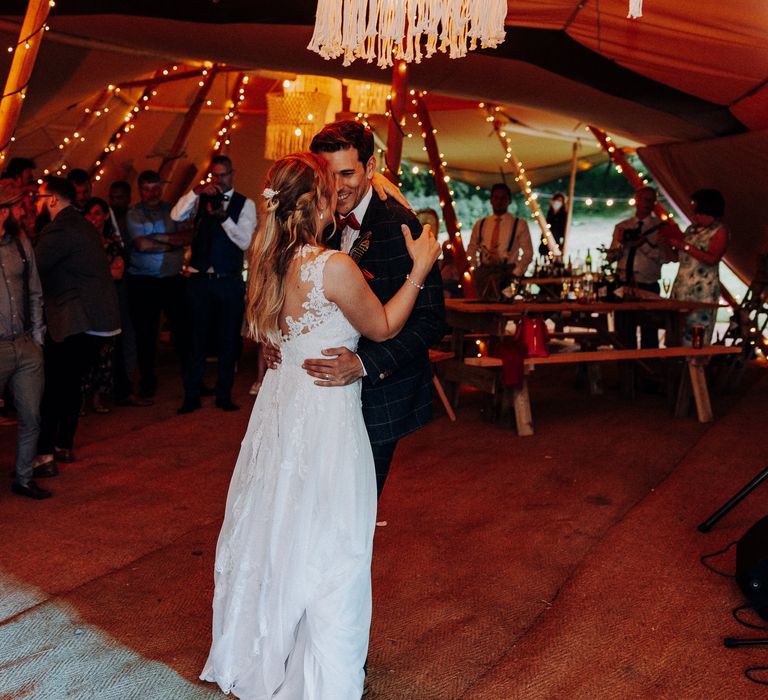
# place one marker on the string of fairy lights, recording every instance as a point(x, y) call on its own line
point(102, 107)
point(21, 90)
point(229, 120)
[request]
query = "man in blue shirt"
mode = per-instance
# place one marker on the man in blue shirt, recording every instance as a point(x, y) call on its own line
point(155, 282)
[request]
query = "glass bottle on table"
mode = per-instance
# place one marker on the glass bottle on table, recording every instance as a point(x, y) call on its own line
point(588, 261)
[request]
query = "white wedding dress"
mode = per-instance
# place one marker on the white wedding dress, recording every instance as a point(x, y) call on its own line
point(292, 605)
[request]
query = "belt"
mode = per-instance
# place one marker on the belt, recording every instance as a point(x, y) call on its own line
point(215, 275)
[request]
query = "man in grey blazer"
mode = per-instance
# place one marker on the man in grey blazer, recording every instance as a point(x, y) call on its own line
point(80, 305)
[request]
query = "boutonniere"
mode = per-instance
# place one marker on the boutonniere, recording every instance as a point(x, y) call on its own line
point(360, 246)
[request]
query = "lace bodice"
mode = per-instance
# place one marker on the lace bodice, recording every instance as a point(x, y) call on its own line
point(322, 324)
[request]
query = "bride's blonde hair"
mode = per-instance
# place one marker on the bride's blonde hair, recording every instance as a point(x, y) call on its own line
point(296, 187)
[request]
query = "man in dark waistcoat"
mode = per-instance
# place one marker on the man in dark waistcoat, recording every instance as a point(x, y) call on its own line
point(224, 224)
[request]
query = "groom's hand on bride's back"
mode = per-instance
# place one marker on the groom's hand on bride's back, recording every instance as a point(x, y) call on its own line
point(339, 367)
point(272, 355)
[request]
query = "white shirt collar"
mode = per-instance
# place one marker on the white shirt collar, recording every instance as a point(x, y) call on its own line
point(362, 207)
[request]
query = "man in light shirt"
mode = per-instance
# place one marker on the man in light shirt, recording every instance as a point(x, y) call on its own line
point(501, 238)
point(224, 224)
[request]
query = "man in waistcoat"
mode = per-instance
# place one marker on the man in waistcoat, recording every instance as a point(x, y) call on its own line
point(224, 224)
point(501, 238)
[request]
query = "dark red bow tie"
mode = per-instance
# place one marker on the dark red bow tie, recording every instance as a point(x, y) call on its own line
point(349, 220)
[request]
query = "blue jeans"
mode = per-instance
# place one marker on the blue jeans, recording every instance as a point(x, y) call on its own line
point(21, 368)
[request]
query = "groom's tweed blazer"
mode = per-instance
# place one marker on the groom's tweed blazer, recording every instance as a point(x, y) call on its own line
point(397, 391)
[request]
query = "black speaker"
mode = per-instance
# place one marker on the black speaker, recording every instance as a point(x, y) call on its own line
point(752, 566)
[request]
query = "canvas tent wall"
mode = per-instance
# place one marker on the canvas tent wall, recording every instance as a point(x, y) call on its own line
point(687, 80)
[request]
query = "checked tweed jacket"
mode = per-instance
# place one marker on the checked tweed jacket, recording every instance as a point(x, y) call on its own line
point(397, 391)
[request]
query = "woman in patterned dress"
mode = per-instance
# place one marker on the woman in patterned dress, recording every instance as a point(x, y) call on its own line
point(699, 250)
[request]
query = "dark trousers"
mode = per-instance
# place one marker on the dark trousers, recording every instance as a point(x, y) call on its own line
point(382, 460)
point(123, 343)
point(628, 321)
point(65, 365)
point(217, 302)
point(148, 298)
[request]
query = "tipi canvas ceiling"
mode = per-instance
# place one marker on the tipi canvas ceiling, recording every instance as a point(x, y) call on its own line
point(686, 81)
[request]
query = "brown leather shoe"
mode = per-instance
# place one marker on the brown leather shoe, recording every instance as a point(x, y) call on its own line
point(133, 400)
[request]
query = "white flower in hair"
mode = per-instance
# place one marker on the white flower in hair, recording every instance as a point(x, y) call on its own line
point(268, 193)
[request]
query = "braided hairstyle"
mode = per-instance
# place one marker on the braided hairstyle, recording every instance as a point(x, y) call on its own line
point(296, 187)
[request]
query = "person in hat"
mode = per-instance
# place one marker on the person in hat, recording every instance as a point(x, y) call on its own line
point(21, 338)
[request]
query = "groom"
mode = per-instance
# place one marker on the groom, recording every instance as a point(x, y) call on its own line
point(396, 374)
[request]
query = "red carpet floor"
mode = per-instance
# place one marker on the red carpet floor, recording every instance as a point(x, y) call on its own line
point(564, 565)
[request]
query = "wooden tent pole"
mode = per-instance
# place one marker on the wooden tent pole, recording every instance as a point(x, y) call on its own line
point(571, 190)
point(169, 162)
point(396, 104)
point(30, 37)
point(443, 193)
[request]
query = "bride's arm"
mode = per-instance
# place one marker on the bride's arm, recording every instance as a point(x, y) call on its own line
point(345, 285)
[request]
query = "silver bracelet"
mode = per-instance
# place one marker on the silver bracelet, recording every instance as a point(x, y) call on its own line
point(410, 281)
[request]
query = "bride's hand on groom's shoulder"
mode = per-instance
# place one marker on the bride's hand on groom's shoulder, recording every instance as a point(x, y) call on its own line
point(424, 250)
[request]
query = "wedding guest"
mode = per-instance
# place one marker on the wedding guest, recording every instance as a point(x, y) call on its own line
point(155, 283)
point(501, 238)
point(557, 218)
point(21, 339)
point(224, 221)
point(108, 372)
point(80, 310)
point(699, 250)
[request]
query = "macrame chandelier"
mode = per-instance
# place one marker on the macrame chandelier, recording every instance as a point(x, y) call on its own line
point(385, 30)
point(367, 98)
point(292, 121)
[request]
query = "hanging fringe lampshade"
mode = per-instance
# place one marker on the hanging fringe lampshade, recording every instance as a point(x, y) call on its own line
point(292, 120)
point(323, 85)
point(384, 30)
point(367, 98)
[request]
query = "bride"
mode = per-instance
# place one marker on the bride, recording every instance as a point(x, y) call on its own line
point(292, 600)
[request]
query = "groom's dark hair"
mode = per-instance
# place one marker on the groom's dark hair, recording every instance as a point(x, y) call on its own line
point(342, 135)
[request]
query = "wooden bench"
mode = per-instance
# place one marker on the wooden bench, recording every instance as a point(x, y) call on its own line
point(488, 377)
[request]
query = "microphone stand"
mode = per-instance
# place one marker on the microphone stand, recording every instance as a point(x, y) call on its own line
point(707, 525)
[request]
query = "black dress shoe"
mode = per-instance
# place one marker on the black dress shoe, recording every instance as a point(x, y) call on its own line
point(188, 406)
point(133, 400)
point(227, 405)
point(31, 490)
point(45, 471)
point(63, 455)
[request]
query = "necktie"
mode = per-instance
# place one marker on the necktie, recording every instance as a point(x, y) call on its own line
point(350, 220)
point(495, 238)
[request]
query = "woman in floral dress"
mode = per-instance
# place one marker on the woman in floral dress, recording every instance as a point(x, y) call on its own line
point(699, 250)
